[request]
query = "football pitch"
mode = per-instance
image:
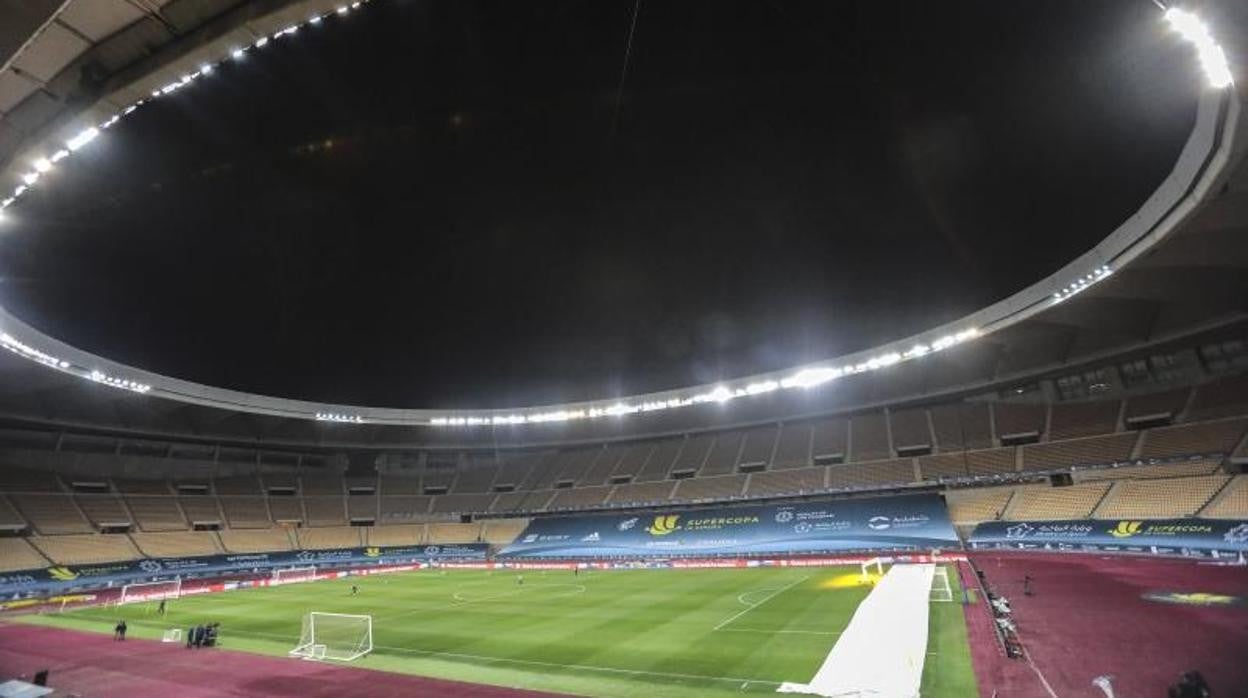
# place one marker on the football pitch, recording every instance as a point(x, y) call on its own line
point(715, 632)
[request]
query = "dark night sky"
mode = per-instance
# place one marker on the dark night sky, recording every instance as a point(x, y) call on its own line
point(426, 204)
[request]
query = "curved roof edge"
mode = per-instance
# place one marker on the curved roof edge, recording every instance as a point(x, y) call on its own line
point(1201, 167)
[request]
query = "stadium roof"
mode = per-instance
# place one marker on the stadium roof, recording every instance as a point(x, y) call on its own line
point(1174, 270)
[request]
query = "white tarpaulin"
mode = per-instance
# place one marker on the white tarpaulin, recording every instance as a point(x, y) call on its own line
point(881, 652)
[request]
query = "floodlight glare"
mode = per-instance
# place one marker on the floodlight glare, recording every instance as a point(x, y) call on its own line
point(42, 165)
point(84, 137)
point(1212, 58)
point(30, 178)
point(237, 53)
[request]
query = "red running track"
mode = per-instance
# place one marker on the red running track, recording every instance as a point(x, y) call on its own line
point(1088, 618)
point(92, 664)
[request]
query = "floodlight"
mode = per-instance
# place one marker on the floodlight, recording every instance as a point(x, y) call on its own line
point(262, 41)
point(42, 165)
point(84, 137)
point(30, 178)
point(1212, 58)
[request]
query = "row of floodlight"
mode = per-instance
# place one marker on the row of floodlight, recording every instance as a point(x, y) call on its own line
point(1082, 283)
point(805, 378)
point(44, 164)
point(338, 417)
point(26, 351)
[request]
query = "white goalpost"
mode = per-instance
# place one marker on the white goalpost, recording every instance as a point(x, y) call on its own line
point(293, 575)
point(941, 591)
point(150, 591)
point(341, 637)
point(866, 568)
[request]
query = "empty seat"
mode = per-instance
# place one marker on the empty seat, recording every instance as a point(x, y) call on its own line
point(1227, 397)
point(325, 511)
point(503, 531)
point(10, 519)
point(1045, 502)
point(404, 508)
point(579, 498)
point(513, 468)
point(1096, 450)
point(1202, 466)
point(522, 501)
point(103, 509)
point(869, 438)
point(156, 512)
point(286, 507)
point(659, 464)
point(443, 533)
point(13, 479)
point(709, 488)
point(142, 486)
point(396, 535)
point(693, 453)
point(971, 506)
point(1165, 404)
point(322, 483)
point(948, 466)
point(1231, 502)
point(793, 448)
point(255, 540)
point(200, 508)
point(991, 462)
point(829, 439)
point(633, 460)
point(462, 503)
point(602, 466)
point(1185, 439)
point(1076, 419)
point(642, 493)
point(362, 506)
point(246, 512)
point(400, 484)
point(787, 482)
point(910, 429)
point(86, 549)
point(477, 475)
point(960, 426)
point(51, 513)
point(858, 475)
point(176, 543)
point(722, 458)
point(757, 447)
point(329, 537)
point(17, 554)
point(1159, 499)
point(245, 485)
point(1017, 419)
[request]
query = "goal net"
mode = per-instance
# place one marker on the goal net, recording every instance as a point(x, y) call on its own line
point(941, 591)
point(338, 636)
point(150, 591)
point(292, 575)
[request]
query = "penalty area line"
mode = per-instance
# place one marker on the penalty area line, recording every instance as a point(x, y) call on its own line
point(535, 662)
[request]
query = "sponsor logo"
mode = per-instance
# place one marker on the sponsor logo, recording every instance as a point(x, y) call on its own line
point(627, 524)
point(1195, 598)
point(663, 525)
point(802, 527)
point(62, 574)
point(150, 566)
point(784, 516)
point(1238, 534)
point(531, 538)
point(591, 538)
point(305, 555)
point(879, 523)
point(372, 552)
point(1021, 530)
point(432, 550)
point(1126, 529)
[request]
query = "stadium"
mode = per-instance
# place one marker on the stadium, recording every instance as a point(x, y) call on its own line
point(347, 349)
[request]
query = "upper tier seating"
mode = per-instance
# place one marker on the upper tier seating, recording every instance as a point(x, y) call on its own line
point(1168, 403)
point(971, 506)
point(793, 448)
point(893, 472)
point(1224, 398)
point(1017, 419)
point(721, 487)
point(51, 514)
point(1094, 450)
point(1201, 437)
point(579, 498)
point(103, 509)
point(1077, 419)
point(201, 509)
point(659, 464)
point(478, 475)
point(642, 493)
point(868, 438)
point(13, 479)
point(86, 549)
point(1231, 502)
point(247, 512)
point(603, 465)
point(757, 447)
point(692, 454)
point(325, 511)
point(830, 439)
point(722, 458)
point(462, 503)
point(362, 507)
point(157, 513)
point(404, 508)
point(1159, 499)
point(962, 426)
point(10, 519)
point(910, 429)
point(1205, 466)
point(633, 460)
point(788, 482)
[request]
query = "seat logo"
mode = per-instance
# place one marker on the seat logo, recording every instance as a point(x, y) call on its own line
point(1126, 529)
point(663, 525)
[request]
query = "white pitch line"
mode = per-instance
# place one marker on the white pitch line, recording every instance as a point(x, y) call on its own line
point(534, 662)
point(774, 632)
point(769, 597)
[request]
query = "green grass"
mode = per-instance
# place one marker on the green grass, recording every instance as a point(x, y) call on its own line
point(655, 633)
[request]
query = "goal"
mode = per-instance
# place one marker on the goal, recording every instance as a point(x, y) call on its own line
point(293, 575)
point(340, 637)
point(878, 563)
point(941, 591)
point(150, 591)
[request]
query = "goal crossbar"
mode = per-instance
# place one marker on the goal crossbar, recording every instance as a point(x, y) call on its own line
point(151, 591)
